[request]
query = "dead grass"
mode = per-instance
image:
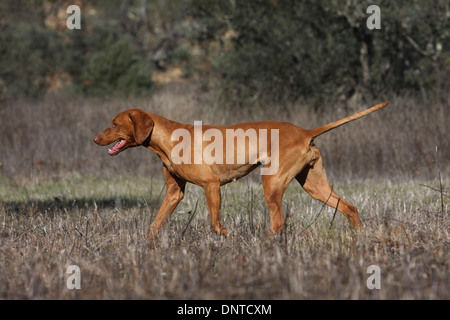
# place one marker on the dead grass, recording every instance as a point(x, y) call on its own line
point(53, 136)
point(100, 226)
point(64, 201)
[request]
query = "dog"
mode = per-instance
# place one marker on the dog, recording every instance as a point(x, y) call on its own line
point(291, 154)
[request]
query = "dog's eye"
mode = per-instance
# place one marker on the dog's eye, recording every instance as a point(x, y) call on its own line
point(114, 125)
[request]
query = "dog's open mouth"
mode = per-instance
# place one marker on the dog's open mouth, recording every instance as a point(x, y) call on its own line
point(120, 144)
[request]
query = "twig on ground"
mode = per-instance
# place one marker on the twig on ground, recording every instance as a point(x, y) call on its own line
point(190, 219)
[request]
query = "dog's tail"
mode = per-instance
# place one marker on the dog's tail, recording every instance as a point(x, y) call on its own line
point(318, 131)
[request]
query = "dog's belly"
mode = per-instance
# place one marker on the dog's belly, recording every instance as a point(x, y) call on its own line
point(231, 173)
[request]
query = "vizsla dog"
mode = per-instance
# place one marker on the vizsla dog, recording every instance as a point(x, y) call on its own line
point(296, 156)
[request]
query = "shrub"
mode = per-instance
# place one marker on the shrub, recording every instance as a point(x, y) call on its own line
point(28, 56)
point(115, 67)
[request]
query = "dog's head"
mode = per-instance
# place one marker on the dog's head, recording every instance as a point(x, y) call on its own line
point(129, 128)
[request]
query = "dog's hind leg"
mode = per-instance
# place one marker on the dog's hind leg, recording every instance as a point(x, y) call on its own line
point(274, 188)
point(314, 180)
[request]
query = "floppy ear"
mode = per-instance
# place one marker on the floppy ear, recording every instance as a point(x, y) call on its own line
point(143, 125)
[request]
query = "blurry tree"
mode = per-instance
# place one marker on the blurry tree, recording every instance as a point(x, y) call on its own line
point(324, 50)
point(99, 59)
point(113, 67)
point(280, 51)
point(28, 50)
point(417, 34)
point(268, 50)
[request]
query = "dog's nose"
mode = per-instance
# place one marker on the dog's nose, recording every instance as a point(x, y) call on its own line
point(96, 139)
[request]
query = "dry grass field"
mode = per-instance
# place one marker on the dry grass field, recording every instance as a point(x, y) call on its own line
point(64, 201)
point(100, 226)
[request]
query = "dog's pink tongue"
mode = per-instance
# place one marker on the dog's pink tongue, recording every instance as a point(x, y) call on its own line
point(119, 144)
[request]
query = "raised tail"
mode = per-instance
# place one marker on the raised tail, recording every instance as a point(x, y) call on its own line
point(318, 131)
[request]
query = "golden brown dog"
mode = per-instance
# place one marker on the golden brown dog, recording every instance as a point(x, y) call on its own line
point(283, 144)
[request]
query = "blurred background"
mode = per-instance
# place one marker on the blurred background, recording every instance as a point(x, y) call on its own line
point(307, 62)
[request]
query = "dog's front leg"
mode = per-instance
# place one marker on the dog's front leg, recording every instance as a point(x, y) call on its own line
point(174, 194)
point(212, 192)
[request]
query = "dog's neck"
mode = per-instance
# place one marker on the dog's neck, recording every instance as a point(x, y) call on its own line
point(161, 134)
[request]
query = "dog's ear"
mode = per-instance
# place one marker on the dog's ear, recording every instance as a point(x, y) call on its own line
point(142, 123)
